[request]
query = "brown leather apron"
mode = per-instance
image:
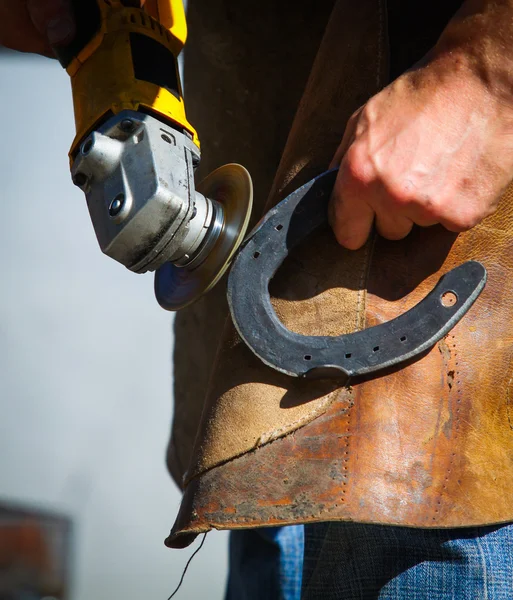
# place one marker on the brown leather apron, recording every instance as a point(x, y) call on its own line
point(427, 445)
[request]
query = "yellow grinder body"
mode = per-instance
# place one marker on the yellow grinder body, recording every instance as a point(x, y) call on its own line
point(125, 57)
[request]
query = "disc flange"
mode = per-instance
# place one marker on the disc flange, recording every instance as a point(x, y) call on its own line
point(230, 186)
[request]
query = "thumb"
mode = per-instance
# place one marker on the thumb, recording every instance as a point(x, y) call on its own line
point(53, 19)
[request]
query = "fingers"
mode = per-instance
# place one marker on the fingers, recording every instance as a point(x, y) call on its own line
point(393, 227)
point(17, 30)
point(53, 19)
point(36, 25)
point(363, 196)
point(351, 214)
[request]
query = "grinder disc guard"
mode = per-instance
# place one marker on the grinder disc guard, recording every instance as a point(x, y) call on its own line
point(231, 187)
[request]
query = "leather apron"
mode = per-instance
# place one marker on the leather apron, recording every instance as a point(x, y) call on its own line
point(426, 445)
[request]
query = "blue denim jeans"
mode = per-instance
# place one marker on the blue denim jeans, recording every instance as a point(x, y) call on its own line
point(350, 561)
point(266, 564)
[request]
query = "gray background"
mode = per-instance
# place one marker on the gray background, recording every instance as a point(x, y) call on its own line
point(85, 365)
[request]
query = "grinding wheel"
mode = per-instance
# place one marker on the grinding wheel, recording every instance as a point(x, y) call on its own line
point(231, 187)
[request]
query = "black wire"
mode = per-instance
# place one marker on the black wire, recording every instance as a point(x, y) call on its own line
point(187, 566)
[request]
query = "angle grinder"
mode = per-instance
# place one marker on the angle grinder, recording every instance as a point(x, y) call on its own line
point(135, 153)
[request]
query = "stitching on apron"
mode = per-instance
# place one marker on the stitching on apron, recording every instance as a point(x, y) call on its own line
point(508, 402)
point(362, 291)
point(369, 250)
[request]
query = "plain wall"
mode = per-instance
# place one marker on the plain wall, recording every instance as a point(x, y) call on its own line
point(85, 365)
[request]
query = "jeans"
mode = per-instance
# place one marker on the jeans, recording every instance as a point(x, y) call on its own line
point(266, 564)
point(351, 561)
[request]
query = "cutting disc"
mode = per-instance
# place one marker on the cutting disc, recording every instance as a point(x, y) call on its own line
point(231, 186)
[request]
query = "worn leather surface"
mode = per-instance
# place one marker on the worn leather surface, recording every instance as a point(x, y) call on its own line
point(247, 404)
point(246, 66)
point(430, 445)
point(427, 445)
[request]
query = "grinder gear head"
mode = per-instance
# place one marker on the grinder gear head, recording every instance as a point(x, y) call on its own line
point(138, 177)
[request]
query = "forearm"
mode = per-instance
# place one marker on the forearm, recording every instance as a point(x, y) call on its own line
point(436, 145)
point(479, 41)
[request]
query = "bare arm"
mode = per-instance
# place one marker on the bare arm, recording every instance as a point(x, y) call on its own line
point(436, 145)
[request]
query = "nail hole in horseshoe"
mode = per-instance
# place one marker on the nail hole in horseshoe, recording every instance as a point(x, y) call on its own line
point(308, 357)
point(448, 299)
point(279, 227)
point(375, 349)
point(348, 355)
point(256, 255)
point(403, 339)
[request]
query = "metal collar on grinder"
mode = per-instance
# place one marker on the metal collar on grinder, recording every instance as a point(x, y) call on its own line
point(346, 356)
point(230, 189)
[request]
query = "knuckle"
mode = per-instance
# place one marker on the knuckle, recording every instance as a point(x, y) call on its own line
point(405, 195)
point(401, 193)
point(432, 207)
point(464, 220)
point(358, 168)
point(369, 111)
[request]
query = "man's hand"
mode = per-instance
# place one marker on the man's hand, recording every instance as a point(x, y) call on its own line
point(35, 25)
point(435, 146)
